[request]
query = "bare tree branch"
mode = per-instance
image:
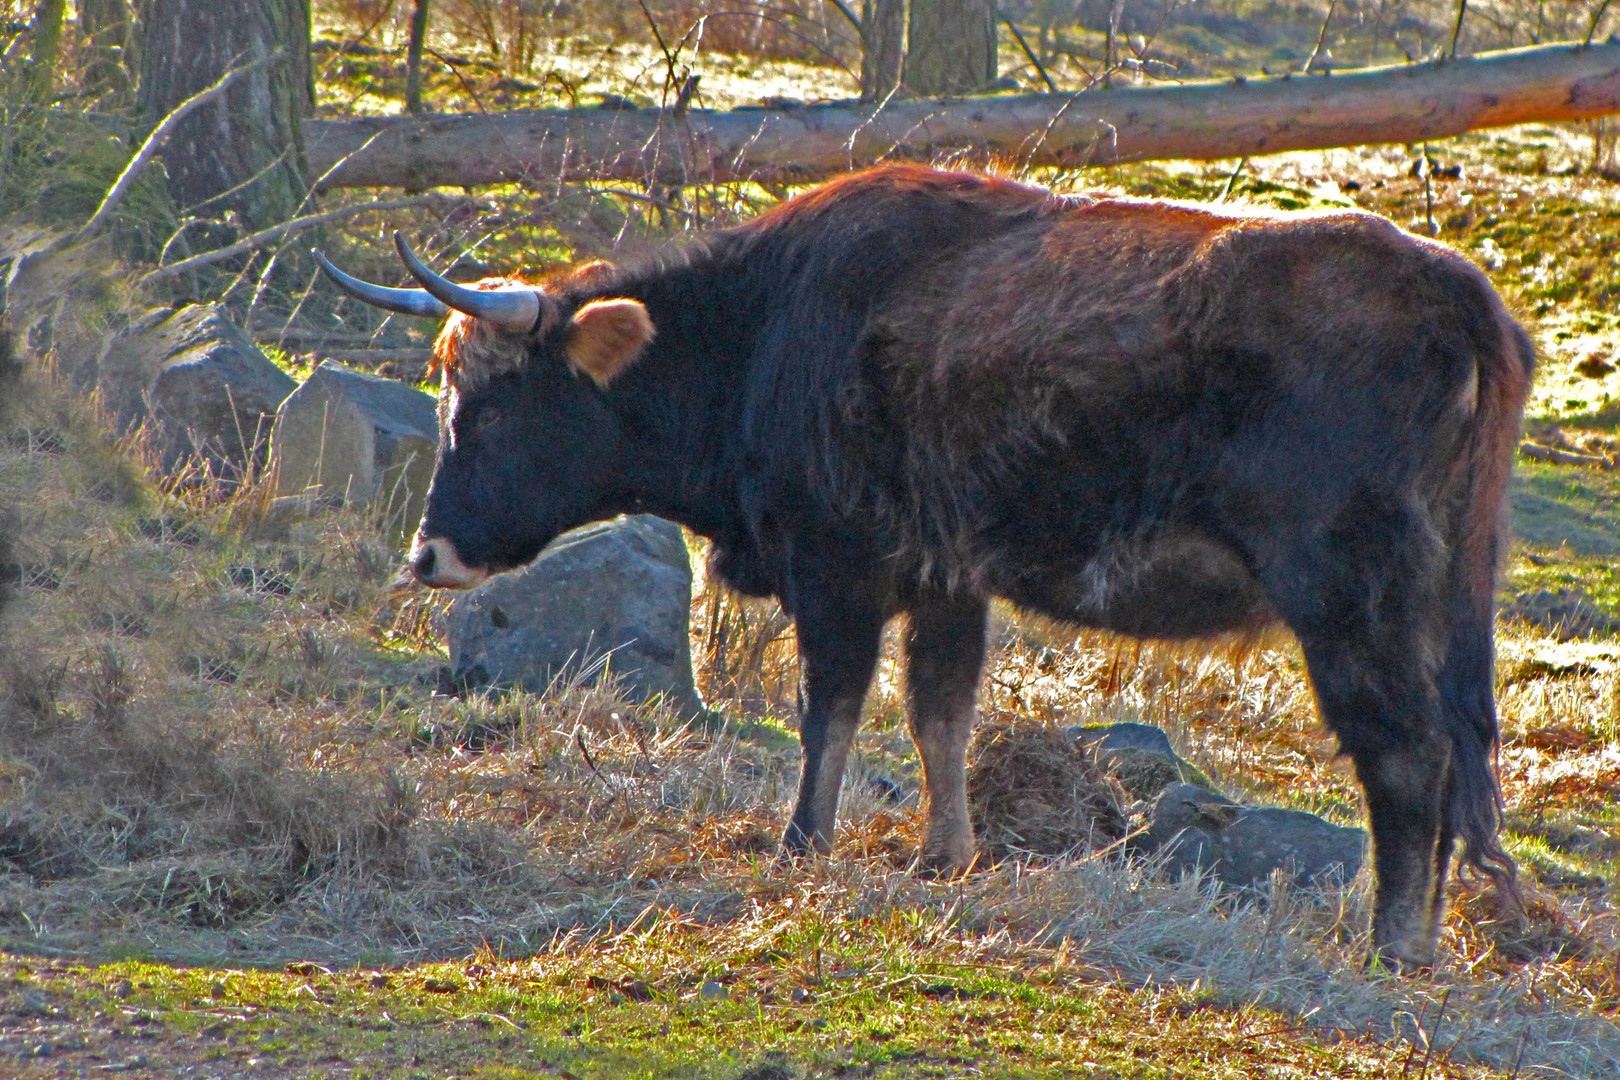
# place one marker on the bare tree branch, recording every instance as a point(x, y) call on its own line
point(286, 228)
point(154, 142)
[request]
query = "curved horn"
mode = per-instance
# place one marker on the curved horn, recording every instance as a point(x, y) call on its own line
point(516, 310)
point(404, 301)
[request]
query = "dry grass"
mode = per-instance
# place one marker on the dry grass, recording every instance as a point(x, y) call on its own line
point(1033, 790)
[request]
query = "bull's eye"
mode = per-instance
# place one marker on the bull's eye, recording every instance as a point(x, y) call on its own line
point(485, 419)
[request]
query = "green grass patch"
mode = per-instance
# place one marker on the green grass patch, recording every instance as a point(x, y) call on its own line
point(765, 1015)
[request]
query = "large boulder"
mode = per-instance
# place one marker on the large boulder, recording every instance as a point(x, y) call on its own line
point(349, 436)
point(619, 590)
point(56, 298)
point(1243, 845)
point(204, 385)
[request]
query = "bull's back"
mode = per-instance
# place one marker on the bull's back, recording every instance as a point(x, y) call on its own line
point(1129, 406)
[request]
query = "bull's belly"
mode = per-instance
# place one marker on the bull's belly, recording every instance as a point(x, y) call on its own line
point(1179, 584)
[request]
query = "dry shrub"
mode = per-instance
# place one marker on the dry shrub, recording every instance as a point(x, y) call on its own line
point(1032, 789)
point(99, 775)
point(1536, 929)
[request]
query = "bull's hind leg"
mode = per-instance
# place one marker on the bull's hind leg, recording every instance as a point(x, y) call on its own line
point(1387, 721)
point(1366, 603)
point(944, 655)
point(839, 640)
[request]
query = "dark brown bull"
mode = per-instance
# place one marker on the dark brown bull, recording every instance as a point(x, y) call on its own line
point(910, 391)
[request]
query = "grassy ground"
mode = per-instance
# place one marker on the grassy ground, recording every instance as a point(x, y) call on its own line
point(242, 831)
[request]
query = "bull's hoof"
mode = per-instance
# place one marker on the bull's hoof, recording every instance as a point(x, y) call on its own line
point(1404, 946)
point(798, 846)
point(944, 867)
point(1402, 959)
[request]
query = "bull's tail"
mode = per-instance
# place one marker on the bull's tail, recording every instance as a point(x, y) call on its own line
point(1474, 801)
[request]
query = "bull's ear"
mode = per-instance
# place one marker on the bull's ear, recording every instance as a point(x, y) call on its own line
point(605, 337)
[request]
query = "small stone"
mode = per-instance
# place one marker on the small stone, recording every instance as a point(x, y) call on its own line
point(1244, 845)
point(801, 996)
point(122, 989)
point(1106, 738)
point(887, 790)
point(1594, 367)
point(35, 1004)
point(713, 991)
point(1139, 756)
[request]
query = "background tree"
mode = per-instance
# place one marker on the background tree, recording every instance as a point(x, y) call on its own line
point(413, 57)
point(105, 27)
point(244, 153)
point(928, 48)
point(46, 31)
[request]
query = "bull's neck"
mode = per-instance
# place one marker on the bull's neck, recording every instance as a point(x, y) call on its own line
point(678, 402)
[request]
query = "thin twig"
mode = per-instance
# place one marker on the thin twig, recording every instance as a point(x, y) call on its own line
point(1596, 18)
point(846, 13)
point(669, 60)
point(579, 740)
point(1231, 181)
point(1428, 192)
point(662, 204)
point(154, 142)
point(455, 69)
point(276, 232)
point(1022, 44)
point(1434, 1035)
point(1456, 31)
point(1321, 36)
point(1518, 1056)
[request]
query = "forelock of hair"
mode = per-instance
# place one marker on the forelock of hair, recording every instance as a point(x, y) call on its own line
point(468, 353)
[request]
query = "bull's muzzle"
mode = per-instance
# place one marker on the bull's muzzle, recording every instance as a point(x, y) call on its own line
point(435, 563)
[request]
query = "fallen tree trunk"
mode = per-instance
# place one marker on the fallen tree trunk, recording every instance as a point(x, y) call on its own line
point(1205, 121)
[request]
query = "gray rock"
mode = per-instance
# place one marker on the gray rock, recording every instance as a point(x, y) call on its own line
point(209, 389)
point(1139, 756)
point(1102, 738)
point(359, 438)
point(622, 587)
point(57, 298)
point(126, 366)
point(1242, 845)
point(1143, 773)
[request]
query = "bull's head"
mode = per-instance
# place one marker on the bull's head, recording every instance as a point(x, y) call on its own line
point(528, 446)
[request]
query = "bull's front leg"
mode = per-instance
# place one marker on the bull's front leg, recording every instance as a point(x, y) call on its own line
point(944, 657)
point(840, 633)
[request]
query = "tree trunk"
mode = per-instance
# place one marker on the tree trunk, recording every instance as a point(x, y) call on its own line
point(1205, 121)
point(413, 57)
point(245, 152)
point(104, 25)
point(46, 30)
point(883, 42)
point(932, 48)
